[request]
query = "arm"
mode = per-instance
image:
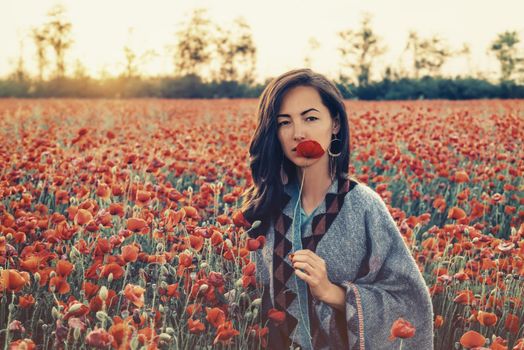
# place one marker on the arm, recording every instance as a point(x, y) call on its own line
point(392, 287)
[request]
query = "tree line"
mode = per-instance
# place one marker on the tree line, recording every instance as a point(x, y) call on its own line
point(220, 61)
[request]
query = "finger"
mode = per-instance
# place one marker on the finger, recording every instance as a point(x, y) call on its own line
point(308, 253)
point(306, 258)
point(302, 275)
point(305, 267)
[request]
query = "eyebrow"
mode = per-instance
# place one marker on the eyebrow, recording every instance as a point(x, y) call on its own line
point(306, 111)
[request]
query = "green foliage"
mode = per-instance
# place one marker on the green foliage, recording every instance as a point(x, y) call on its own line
point(192, 86)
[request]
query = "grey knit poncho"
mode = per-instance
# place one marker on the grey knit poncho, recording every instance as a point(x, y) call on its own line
point(353, 231)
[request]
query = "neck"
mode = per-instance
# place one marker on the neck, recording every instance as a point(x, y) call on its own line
point(316, 179)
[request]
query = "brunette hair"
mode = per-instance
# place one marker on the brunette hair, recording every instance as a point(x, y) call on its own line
point(261, 200)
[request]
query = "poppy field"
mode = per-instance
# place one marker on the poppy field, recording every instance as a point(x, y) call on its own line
point(120, 229)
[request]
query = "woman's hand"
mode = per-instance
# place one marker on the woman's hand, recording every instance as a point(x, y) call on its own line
point(312, 269)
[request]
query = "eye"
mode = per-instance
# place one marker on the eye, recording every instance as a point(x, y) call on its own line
point(282, 123)
point(311, 117)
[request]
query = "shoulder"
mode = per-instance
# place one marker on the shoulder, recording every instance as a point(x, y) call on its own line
point(364, 197)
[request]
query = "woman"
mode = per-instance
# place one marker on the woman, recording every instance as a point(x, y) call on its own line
point(350, 274)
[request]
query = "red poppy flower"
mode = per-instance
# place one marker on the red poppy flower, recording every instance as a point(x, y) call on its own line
point(439, 320)
point(196, 242)
point(137, 225)
point(135, 294)
point(402, 329)
point(215, 316)
point(99, 338)
point(13, 280)
point(487, 318)
point(64, 268)
point(276, 316)
point(512, 323)
point(310, 149)
point(195, 326)
point(461, 177)
point(240, 221)
point(129, 253)
point(464, 297)
point(116, 209)
point(225, 333)
point(82, 217)
point(456, 213)
point(26, 301)
point(59, 284)
point(172, 290)
point(27, 344)
point(472, 339)
point(113, 268)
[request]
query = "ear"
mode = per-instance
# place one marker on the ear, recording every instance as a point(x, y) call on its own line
point(336, 125)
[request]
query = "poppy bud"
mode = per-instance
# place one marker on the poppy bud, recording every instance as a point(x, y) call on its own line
point(103, 293)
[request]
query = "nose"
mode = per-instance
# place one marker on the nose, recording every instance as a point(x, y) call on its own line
point(298, 133)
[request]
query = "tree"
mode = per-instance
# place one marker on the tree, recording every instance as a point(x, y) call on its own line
point(40, 39)
point(193, 47)
point(359, 49)
point(312, 45)
point(505, 49)
point(133, 60)
point(429, 54)
point(236, 53)
point(59, 37)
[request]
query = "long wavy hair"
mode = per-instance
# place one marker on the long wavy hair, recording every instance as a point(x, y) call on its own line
point(261, 201)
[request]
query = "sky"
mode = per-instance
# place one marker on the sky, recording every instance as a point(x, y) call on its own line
point(281, 30)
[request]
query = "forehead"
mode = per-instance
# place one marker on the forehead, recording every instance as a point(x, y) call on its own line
point(300, 98)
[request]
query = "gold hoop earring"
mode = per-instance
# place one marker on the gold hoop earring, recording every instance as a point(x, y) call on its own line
point(329, 149)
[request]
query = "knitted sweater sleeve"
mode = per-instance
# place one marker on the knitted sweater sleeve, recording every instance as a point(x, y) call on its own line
point(392, 288)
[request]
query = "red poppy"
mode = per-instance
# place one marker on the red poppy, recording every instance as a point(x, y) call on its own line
point(461, 176)
point(310, 149)
point(99, 338)
point(26, 301)
point(439, 320)
point(135, 294)
point(59, 284)
point(252, 244)
point(116, 209)
point(112, 268)
point(464, 297)
point(82, 217)
point(455, 213)
point(472, 339)
point(121, 332)
point(276, 316)
point(137, 225)
point(512, 323)
point(402, 329)
point(197, 242)
point(64, 268)
point(215, 316)
point(195, 326)
point(26, 344)
point(172, 290)
point(13, 280)
point(487, 318)
point(225, 333)
point(499, 344)
point(129, 253)
point(240, 221)
point(90, 289)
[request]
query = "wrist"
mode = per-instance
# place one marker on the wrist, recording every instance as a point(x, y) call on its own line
point(328, 291)
point(334, 296)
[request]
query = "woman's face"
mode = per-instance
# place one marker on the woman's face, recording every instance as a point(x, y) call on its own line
point(303, 116)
